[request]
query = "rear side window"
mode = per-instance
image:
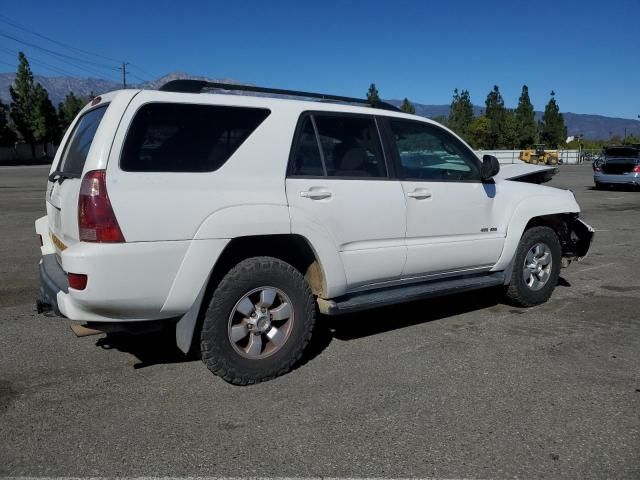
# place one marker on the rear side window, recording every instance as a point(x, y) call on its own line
point(168, 137)
point(75, 153)
point(350, 146)
point(345, 146)
point(307, 160)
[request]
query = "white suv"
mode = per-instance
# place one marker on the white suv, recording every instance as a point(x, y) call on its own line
point(237, 217)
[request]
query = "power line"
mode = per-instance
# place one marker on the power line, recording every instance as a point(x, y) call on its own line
point(7, 63)
point(53, 52)
point(38, 61)
point(75, 64)
point(15, 24)
point(138, 77)
point(150, 75)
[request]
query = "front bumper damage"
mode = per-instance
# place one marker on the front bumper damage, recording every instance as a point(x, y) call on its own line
point(575, 238)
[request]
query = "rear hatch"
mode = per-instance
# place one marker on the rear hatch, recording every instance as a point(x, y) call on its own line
point(619, 166)
point(65, 179)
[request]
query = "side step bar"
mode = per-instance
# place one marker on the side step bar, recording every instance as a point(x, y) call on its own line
point(391, 295)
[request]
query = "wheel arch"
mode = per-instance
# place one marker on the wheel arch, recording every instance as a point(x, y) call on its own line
point(553, 211)
point(291, 248)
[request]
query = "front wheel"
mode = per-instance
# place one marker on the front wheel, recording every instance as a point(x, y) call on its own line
point(259, 321)
point(536, 268)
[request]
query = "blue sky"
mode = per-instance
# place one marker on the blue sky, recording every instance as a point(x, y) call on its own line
point(587, 51)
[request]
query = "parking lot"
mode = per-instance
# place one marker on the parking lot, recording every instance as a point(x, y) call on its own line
point(456, 387)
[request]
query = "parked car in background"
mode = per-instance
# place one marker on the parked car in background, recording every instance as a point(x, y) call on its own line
point(620, 165)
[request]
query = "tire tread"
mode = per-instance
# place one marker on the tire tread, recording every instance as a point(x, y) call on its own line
point(213, 356)
point(516, 292)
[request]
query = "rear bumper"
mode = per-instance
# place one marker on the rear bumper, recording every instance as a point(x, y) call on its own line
point(622, 179)
point(53, 280)
point(127, 282)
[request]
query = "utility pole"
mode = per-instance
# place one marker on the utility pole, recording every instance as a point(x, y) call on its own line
point(124, 74)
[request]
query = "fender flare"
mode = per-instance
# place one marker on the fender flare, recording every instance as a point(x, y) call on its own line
point(523, 213)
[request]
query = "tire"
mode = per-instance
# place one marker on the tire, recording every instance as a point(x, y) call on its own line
point(599, 186)
point(237, 340)
point(520, 292)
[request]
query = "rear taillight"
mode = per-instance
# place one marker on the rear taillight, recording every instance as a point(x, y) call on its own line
point(96, 220)
point(636, 169)
point(77, 281)
point(597, 169)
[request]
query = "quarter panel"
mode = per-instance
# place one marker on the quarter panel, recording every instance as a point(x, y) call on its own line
point(154, 206)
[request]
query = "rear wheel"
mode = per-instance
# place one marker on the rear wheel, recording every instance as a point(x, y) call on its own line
point(536, 268)
point(259, 321)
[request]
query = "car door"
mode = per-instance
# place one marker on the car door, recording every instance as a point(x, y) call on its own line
point(451, 214)
point(339, 190)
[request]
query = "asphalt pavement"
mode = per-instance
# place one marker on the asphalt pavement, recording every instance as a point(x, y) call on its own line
point(458, 387)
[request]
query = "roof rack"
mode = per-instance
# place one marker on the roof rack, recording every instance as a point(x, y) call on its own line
point(198, 86)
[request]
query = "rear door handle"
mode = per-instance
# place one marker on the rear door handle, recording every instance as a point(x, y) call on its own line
point(316, 194)
point(419, 194)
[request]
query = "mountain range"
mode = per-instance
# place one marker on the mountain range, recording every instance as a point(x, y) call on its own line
point(591, 126)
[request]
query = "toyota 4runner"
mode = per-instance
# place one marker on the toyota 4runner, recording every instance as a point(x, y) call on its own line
point(237, 217)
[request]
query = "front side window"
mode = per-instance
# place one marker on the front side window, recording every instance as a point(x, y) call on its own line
point(77, 149)
point(350, 146)
point(429, 153)
point(172, 137)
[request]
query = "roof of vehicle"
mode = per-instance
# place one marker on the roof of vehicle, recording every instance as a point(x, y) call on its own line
point(293, 102)
point(202, 86)
point(252, 96)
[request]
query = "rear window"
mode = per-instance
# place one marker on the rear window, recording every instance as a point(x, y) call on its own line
point(168, 137)
point(75, 154)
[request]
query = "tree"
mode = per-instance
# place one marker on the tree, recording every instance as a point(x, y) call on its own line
point(7, 136)
point(495, 112)
point(553, 131)
point(460, 113)
point(46, 126)
point(479, 134)
point(407, 106)
point(526, 120)
point(510, 138)
point(441, 119)
point(68, 110)
point(372, 95)
point(23, 109)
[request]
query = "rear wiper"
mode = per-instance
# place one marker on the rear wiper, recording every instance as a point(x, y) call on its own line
point(58, 176)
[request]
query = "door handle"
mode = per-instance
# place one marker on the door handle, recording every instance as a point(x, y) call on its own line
point(316, 194)
point(419, 194)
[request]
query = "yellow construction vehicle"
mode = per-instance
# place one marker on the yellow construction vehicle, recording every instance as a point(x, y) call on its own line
point(540, 156)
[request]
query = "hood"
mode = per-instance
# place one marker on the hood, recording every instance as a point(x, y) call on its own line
point(524, 172)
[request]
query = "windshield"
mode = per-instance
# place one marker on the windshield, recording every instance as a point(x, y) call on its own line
point(79, 142)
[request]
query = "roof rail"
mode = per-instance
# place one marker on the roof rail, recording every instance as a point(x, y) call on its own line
point(198, 86)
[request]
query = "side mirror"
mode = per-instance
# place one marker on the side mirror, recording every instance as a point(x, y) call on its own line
point(490, 167)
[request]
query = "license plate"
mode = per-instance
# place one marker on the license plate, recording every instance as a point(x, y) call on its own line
point(58, 243)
